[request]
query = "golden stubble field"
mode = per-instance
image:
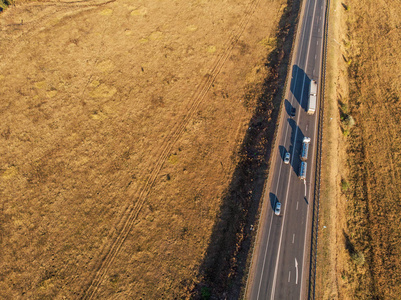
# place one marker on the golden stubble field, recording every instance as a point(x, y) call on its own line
point(120, 123)
point(360, 253)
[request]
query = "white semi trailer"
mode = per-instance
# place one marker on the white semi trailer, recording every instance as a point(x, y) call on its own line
point(305, 148)
point(312, 97)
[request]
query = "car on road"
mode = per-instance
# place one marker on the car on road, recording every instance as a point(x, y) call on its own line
point(277, 209)
point(293, 111)
point(287, 158)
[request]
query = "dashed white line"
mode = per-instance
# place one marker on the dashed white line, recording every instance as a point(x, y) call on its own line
point(289, 175)
point(293, 237)
point(264, 259)
point(296, 263)
point(307, 212)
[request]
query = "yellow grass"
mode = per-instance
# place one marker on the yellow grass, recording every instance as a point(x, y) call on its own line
point(121, 114)
point(360, 253)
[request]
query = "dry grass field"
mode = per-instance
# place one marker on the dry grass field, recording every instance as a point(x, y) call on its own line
point(121, 127)
point(361, 251)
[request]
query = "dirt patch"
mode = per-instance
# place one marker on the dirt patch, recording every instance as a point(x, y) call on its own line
point(121, 129)
point(366, 255)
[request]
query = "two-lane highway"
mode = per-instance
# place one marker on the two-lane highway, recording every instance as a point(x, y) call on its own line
point(280, 262)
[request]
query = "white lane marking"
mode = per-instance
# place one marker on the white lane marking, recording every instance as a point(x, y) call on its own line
point(305, 186)
point(271, 219)
point(297, 204)
point(289, 276)
point(264, 259)
point(307, 211)
point(296, 271)
point(293, 237)
point(315, 59)
point(279, 175)
point(306, 127)
point(289, 175)
point(317, 43)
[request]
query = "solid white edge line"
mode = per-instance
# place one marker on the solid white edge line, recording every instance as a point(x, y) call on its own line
point(264, 259)
point(313, 154)
point(289, 176)
point(278, 181)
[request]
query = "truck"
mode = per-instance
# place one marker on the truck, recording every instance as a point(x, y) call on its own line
point(302, 171)
point(312, 100)
point(305, 148)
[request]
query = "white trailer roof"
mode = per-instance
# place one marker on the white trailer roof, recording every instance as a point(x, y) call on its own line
point(313, 87)
point(312, 103)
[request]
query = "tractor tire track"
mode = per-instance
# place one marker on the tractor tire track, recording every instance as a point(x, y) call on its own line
point(166, 147)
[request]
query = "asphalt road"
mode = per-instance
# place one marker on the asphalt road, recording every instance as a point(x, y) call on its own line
point(280, 265)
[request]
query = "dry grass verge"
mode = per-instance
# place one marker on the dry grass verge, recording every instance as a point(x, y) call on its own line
point(364, 263)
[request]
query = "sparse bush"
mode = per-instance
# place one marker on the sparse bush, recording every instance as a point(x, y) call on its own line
point(358, 258)
point(205, 292)
point(184, 231)
point(344, 108)
point(349, 121)
point(4, 4)
point(344, 185)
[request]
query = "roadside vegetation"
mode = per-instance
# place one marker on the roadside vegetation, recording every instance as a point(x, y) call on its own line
point(360, 253)
point(4, 4)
